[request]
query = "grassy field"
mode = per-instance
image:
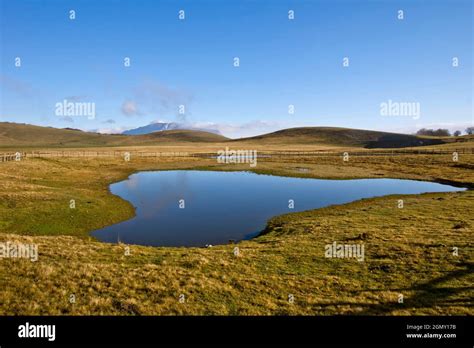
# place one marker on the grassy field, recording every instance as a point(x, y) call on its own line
point(408, 252)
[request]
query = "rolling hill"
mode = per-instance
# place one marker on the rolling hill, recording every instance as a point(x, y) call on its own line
point(15, 134)
point(346, 137)
point(24, 135)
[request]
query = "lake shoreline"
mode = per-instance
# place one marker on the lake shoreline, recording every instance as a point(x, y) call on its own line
point(121, 230)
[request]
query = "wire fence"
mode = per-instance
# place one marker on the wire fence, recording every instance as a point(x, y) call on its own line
point(16, 156)
point(7, 157)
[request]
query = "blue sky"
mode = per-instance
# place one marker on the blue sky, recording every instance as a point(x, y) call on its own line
point(282, 62)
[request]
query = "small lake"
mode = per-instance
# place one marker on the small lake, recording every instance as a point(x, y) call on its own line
point(223, 206)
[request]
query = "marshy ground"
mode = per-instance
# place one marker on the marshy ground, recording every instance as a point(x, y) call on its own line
point(409, 252)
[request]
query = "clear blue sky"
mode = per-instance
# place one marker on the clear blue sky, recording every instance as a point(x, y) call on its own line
point(282, 62)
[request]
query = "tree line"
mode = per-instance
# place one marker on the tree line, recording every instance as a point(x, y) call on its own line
point(440, 132)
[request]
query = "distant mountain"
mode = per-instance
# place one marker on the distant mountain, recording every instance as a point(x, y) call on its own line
point(163, 126)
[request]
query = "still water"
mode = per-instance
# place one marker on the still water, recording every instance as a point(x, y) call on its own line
point(195, 208)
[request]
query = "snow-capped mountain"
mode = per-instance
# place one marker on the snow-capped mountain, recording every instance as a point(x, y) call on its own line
point(162, 126)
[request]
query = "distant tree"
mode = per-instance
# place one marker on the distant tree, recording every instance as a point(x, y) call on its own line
point(423, 131)
point(457, 133)
point(469, 130)
point(442, 132)
point(431, 132)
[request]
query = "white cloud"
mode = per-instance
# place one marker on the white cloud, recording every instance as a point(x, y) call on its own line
point(129, 108)
point(116, 130)
point(248, 129)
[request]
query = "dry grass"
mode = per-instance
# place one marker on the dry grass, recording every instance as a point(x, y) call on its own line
point(408, 251)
